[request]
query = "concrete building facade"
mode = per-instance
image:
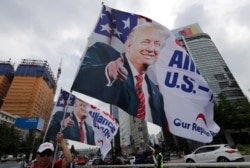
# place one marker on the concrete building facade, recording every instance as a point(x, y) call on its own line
point(133, 132)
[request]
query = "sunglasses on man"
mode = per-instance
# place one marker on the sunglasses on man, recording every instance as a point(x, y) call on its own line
point(46, 152)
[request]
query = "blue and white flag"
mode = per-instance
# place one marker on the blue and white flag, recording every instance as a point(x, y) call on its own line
point(100, 126)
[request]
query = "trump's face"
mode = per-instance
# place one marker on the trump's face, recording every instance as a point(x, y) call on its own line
point(144, 47)
point(80, 109)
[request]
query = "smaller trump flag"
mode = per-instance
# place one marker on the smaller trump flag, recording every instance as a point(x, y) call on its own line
point(82, 122)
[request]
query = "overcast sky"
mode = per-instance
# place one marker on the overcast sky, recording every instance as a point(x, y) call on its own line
point(59, 29)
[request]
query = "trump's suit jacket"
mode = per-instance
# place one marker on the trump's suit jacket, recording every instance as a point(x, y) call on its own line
point(91, 80)
point(71, 133)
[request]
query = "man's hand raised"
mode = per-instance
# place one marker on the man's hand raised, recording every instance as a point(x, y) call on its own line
point(68, 122)
point(116, 70)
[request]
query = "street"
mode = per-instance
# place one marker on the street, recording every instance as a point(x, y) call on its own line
point(180, 160)
point(16, 164)
point(11, 164)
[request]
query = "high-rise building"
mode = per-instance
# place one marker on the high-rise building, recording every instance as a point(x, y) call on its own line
point(6, 76)
point(32, 91)
point(210, 62)
point(133, 132)
point(116, 140)
point(139, 133)
point(125, 128)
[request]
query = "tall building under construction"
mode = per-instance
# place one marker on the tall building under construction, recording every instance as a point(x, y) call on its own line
point(31, 91)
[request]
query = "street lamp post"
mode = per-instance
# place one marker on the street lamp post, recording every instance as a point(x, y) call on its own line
point(32, 149)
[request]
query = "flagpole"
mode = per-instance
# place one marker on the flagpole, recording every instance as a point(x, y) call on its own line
point(64, 114)
point(113, 140)
point(59, 71)
point(49, 122)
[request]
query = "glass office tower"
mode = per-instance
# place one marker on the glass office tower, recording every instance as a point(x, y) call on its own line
point(208, 59)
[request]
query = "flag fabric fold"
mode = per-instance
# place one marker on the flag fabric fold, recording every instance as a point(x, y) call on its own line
point(187, 98)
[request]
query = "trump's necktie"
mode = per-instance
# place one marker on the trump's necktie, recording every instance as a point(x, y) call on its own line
point(140, 94)
point(81, 131)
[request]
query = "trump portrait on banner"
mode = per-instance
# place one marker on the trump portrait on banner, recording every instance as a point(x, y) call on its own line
point(74, 125)
point(122, 78)
point(82, 122)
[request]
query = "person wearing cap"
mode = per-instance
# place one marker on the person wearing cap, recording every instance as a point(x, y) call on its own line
point(45, 154)
point(158, 157)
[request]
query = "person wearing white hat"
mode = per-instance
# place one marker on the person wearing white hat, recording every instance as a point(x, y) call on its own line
point(45, 153)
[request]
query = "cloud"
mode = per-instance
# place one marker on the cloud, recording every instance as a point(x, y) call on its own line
point(193, 14)
point(59, 29)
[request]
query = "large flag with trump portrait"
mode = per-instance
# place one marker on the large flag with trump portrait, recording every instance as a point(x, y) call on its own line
point(178, 98)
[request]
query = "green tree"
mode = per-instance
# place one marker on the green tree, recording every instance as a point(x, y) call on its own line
point(9, 139)
point(223, 112)
point(241, 116)
point(223, 117)
point(30, 143)
point(233, 116)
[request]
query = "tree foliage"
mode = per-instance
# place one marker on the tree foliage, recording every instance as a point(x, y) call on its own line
point(8, 140)
point(232, 116)
point(12, 141)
